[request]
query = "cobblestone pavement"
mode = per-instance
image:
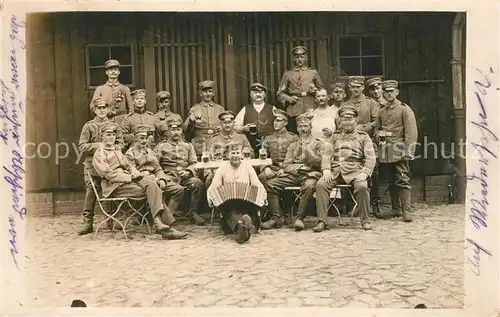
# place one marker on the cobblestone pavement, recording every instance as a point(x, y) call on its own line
point(396, 265)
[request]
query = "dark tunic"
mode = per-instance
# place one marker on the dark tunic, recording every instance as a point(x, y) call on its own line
point(264, 120)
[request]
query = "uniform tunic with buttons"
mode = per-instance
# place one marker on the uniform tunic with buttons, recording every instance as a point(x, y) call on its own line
point(277, 145)
point(223, 141)
point(198, 131)
point(399, 119)
point(296, 82)
point(368, 110)
point(109, 91)
point(137, 118)
point(146, 162)
point(172, 155)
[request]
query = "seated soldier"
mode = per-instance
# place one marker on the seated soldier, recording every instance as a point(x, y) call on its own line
point(228, 135)
point(301, 167)
point(177, 158)
point(348, 160)
point(119, 178)
point(237, 213)
point(146, 162)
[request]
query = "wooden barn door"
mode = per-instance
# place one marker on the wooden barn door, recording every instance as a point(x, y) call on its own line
point(263, 44)
point(182, 49)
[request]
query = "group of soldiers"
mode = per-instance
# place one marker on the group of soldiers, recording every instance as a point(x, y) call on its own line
point(316, 140)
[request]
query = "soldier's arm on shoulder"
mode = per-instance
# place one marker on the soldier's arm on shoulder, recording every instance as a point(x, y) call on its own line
point(100, 164)
point(369, 154)
point(130, 101)
point(282, 89)
point(411, 129)
point(84, 144)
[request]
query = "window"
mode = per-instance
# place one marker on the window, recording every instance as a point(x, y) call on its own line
point(361, 55)
point(96, 55)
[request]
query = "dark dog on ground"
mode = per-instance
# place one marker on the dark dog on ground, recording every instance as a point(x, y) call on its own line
point(420, 306)
point(78, 303)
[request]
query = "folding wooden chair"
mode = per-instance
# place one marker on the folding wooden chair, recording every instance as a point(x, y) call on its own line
point(113, 213)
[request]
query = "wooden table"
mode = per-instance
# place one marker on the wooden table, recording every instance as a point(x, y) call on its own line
point(216, 164)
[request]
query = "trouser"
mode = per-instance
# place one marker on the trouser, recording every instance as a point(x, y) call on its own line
point(323, 190)
point(233, 210)
point(90, 198)
point(175, 190)
point(276, 186)
point(397, 176)
point(375, 185)
point(146, 186)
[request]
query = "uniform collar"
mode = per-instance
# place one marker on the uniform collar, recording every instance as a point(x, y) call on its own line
point(300, 68)
point(394, 104)
point(113, 84)
point(359, 99)
point(227, 136)
point(281, 132)
point(140, 111)
point(173, 142)
point(211, 103)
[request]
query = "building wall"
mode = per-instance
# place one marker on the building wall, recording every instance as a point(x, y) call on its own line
point(173, 51)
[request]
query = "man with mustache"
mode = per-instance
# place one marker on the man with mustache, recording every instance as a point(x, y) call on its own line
point(323, 117)
point(349, 159)
point(337, 95)
point(228, 135)
point(257, 116)
point(164, 113)
point(298, 86)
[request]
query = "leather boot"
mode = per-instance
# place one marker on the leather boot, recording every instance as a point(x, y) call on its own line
point(276, 220)
point(167, 217)
point(197, 219)
point(377, 213)
point(395, 203)
point(159, 225)
point(172, 205)
point(405, 194)
point(88, 219)
point(320, 227)
point(172, 234)
point(244, 229)
point(299, 224)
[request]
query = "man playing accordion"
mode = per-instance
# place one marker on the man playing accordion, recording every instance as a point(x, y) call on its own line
point(238, 194)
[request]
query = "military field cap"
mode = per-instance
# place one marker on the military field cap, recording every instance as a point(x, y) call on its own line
point(141, 130)
point(390, 85)
point(303, 118)
point(138, 92)
point(356, 81)
point(235, 146)
point(340, 85)
point(373, 81)
point(173, 123)
point(110, 126)
point(98, 102)
point(227, 115)
point(258, 87)
point(280, 114)
point(299, 50)
point(162, 95)
point(111, 63)
point(347, 112)
point(206, 84)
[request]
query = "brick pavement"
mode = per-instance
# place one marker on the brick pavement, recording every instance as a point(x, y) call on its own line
point(396, 265)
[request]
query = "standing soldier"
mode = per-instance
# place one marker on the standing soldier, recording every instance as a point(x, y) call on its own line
point(301, 167)
point(374, 86)
point(396, 134)
point(227, 136)
point(90, 140)
point(140, 117)
point(203, 120)
point(276, 145)
point(298, 86)
point(163, 102)
point(348, 160)
point(177, 159)
point(256, 119)
point(114, 93)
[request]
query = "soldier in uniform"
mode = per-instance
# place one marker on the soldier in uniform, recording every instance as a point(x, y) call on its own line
point(276, 146)
point(396, 134)
point(257, 116)
point(237, 214)
point(301, 167)
point(349, 159)
point(337, 95)
point(140, 117)
point(323, 117)
point(114, 93)
point(90, 140)
point(298, 86)
point(146, 162)
point(228, 136)
point(163, 102)
point(203, 120)
point(119, 178)
point(374, 86)
point(177, 159)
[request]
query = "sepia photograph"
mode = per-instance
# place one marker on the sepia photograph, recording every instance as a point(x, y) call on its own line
point(246, 159)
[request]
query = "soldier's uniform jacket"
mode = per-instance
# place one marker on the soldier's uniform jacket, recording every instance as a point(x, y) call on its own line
point(90, 141)
point(172, 155)
point(164, 116)
point(109, 91)
point(296, 82)
point(305, 151)
point(223, 141)
point(367, 112)
point(137, 118)
point(114, 169)
point(398, 119)
point(146, 162)
point(198, 132)
point(349, 155)
point(277, 145)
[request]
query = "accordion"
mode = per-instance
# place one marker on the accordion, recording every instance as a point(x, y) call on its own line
point(237, 191)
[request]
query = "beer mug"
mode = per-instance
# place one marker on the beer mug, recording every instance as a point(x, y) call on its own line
point(205, 157)
point(247, 154)
point(198, 115)
point(218, 155)
point(253, 129)
point(262, 154)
